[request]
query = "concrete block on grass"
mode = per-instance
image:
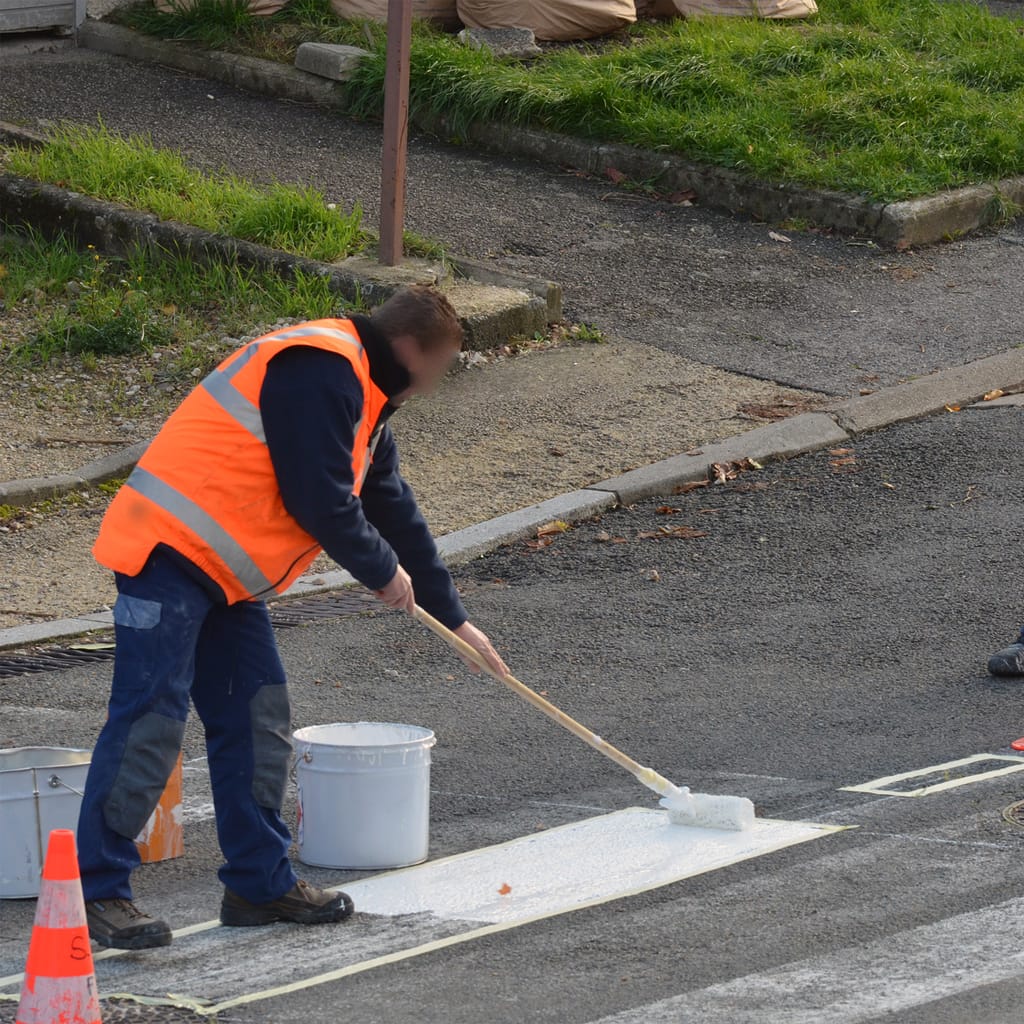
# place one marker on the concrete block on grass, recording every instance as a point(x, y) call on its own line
point(516, 43)
point(330, 60)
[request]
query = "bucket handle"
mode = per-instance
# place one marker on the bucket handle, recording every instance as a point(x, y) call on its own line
point(56, 782)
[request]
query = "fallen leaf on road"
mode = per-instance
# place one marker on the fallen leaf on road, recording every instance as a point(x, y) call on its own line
point(840, 451)
point(952, 408)
point(848, 461)
point(505, 889)
point(602, 536)
point(667, 510)
point(993, 395)
point(723, 471)
point(892, 487)
point(696, 485)
point(556, 526)
point(615, 175)
point(654, 576)
point(540, 542)
point(678, 532)
point(776, 237)
point(684, 198)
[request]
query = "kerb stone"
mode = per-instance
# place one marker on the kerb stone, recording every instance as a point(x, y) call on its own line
point(330, 60)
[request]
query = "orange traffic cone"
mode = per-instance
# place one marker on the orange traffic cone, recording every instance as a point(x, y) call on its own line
point(59, 985)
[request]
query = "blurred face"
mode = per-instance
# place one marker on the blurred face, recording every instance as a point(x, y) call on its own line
point(426, 369)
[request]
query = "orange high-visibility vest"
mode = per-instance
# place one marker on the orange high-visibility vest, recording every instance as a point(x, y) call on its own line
point(206, 485)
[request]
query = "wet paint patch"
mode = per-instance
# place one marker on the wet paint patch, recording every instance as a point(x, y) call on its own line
point(419, 910)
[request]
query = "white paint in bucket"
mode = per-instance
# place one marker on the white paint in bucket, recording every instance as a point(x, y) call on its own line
point(40, 790)
point(364, 794)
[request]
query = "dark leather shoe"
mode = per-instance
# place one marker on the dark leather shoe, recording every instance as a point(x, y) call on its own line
point(120, 924)
point(303, 904)
point(1008, 662)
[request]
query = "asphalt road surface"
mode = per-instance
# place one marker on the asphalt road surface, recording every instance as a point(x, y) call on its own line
point(830, 629)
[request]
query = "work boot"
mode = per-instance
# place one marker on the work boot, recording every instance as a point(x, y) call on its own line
point(120, 924)
point(303, 904)
point(1009, 661)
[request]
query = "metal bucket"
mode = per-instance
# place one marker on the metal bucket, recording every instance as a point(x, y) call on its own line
point(40, 790)
point(364, 794)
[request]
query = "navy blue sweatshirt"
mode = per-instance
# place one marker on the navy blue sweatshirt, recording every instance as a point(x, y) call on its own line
point(310, 403)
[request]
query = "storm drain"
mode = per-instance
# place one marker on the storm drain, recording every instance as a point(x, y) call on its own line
point(127, 1011)
point(335, 604)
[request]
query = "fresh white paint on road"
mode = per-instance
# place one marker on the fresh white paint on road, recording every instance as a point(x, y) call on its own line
point(454, 900)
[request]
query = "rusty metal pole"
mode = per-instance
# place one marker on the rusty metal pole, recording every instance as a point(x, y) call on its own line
point(396, 131)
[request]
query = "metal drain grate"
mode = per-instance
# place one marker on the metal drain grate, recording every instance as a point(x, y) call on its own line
point(1014, 814)
point(333, 605)
point(48, 661)
point(283, 615)
point(127, 1011)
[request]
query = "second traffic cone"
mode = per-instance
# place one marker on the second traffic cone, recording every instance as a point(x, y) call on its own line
point(59, 981)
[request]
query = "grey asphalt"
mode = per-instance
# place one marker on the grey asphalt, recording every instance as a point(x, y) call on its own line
point(824, 313)
point(831, 628)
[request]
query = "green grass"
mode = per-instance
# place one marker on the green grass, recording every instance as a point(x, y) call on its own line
point(86, 305)
point(888, 98)
point(134, 172)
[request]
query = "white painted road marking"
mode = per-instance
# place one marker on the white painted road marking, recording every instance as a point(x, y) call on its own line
point(457, 899)
point(556, 871)
point(862, 983)
point(883, 786)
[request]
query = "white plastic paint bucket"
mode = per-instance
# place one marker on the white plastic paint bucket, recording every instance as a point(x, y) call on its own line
point(364, 794)
point(40, 789)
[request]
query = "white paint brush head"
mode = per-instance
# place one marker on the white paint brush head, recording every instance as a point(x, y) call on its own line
point(702, 810)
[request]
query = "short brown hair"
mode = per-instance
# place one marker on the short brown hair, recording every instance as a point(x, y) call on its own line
point(424, 313)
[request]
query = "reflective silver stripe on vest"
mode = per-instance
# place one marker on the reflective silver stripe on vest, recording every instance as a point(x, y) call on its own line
point(186, 511)
point(219, 387)
point(235, 404)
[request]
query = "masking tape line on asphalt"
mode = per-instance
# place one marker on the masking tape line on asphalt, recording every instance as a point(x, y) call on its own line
point(882, 786)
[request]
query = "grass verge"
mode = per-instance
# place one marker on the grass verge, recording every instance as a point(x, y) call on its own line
point(60, 303)
point(134, 172)
point(888, 98)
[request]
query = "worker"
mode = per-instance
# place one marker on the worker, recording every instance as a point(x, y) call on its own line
point(282, 451)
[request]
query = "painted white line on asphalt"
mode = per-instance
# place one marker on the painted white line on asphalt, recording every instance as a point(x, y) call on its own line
point(415, 911)
point(554, 871)
point(884, 785)
point(862, 983)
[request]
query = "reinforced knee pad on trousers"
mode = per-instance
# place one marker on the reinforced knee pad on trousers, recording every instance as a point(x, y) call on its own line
point(271, 718)
point(149, 754)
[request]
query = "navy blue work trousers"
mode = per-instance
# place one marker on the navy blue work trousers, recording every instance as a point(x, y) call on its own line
point(175, 641)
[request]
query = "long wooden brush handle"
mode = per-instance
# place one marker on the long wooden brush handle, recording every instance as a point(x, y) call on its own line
point(648, 776)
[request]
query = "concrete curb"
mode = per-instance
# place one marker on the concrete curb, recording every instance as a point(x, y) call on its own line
point(910, 222)
point(958, 386)
point(110, 467)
